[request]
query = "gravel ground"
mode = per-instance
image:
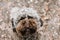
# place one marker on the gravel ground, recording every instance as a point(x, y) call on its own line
point(49, 11)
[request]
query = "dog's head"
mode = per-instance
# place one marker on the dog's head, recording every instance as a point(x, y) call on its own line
point(25, 21)
point(26, 26)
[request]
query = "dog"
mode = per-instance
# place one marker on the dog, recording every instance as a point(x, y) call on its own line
point(25, 22)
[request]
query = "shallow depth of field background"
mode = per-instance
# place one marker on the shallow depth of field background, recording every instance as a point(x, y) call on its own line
point(49, 11)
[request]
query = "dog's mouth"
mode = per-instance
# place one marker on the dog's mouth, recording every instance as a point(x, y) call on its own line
point(27, 31)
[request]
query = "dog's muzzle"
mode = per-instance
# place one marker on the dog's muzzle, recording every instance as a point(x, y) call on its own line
point(28, 31)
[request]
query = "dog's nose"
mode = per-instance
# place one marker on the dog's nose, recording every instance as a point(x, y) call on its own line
point(27, 30)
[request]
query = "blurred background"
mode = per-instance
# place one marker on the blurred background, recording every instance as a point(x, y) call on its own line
point(49, 11)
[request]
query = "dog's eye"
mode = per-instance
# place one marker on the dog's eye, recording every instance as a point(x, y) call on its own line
point(30, 17)
point(22, 18)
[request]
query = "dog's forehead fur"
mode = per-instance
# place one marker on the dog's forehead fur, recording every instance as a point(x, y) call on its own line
point(17, 13)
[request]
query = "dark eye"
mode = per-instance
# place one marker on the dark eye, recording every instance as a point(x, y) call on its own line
point(30, 17)
point(22, 18)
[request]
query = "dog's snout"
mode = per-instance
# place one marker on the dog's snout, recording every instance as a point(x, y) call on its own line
point(28, 31)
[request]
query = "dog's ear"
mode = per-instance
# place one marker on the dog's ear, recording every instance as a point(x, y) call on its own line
point(14, 29)
point(41, 21)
